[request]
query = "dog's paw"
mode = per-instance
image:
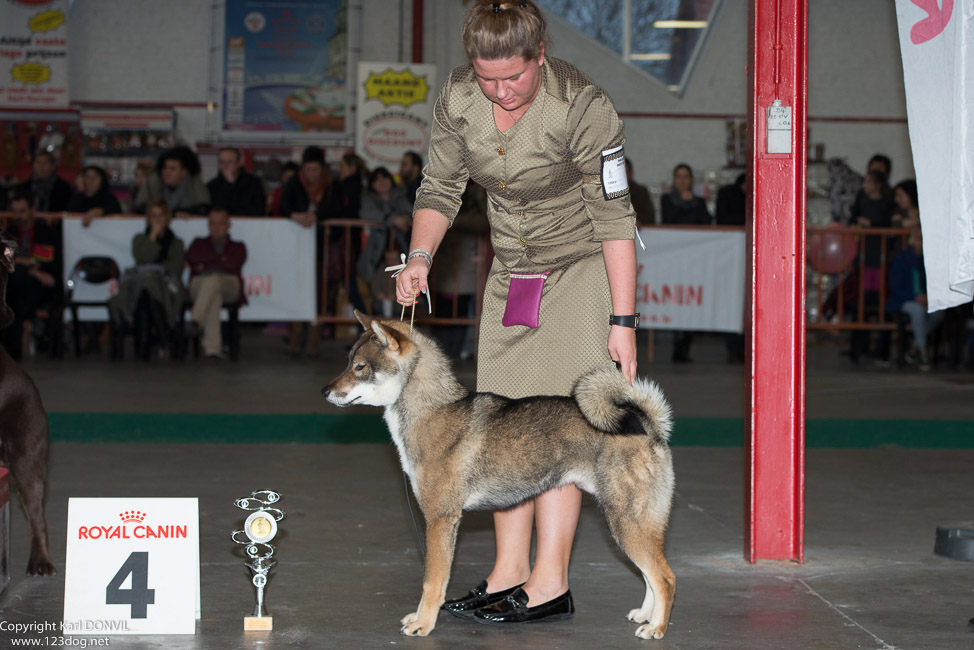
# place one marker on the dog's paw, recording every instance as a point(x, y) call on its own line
point(412, 626)
point(650, 631)
point(639, 615)
point(41, 568)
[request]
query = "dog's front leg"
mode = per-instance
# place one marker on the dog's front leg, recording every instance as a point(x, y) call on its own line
point(441, 537)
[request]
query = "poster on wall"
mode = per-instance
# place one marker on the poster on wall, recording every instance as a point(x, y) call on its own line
point(33, 53)
point(394, 111)
point(285, 67)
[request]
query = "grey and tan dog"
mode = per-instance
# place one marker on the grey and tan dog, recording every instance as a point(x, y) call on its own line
point(481, 451)
point(23, 430)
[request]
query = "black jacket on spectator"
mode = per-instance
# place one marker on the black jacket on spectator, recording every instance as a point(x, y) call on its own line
point(245, 196)
point(295, 199)
point(677, 211)
point(104, 199)
point(52, 195)
point(731, 206)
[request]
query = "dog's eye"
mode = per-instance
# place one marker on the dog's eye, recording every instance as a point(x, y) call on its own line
point(359, 367)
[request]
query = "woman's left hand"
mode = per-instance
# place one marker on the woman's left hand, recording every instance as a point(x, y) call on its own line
point(622, 349)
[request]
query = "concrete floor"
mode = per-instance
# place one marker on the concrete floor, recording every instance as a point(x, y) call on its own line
point(349, 568)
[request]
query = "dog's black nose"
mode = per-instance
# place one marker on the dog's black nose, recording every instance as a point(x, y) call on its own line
point(325, 392)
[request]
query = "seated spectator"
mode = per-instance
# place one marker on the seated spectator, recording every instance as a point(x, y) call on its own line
point(37, 272)
point(215, 263)
point(732, 203)
point(50, 192)
point(682, 206)
point(150, 296)
point(235, 189)
point(907, 213)
point(908, 295)
point(96, 199)
point(288, 171)
point(305, 198)
point(642, 203)
point(177, 182)
point(141, 174)
point(881, 164)
point(411, 173)
point(385, 202)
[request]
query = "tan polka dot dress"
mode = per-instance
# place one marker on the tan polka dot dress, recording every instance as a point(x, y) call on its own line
point(547, 212)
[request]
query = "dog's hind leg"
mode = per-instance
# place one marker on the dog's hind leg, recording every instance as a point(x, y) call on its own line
point(643, 543)
point(441, 537)
point(28, 464)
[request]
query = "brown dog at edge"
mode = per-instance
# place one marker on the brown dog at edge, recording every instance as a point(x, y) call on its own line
point(23, 430)
point(481, 451)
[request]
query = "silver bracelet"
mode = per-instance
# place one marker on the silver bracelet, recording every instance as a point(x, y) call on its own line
point(419, 252)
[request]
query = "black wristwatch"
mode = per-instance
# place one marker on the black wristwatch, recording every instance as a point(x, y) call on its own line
point(625, 321)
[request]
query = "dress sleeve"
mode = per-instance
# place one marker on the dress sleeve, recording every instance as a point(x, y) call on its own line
point(594, 128)
point(445, 175)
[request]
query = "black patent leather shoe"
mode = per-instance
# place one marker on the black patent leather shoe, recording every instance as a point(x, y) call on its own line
point(514, 609)
point(475, 599)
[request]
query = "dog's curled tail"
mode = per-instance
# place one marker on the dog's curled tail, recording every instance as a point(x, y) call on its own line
point(611, 405)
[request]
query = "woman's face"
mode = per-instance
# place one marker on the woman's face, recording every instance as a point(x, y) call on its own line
point(509, 83)
point(382, 184)
point(682, 180)
point(157, 218)
point(173, 172)
point(312, 172)
point(91, 181)
point(902, 199)
point(345, 170)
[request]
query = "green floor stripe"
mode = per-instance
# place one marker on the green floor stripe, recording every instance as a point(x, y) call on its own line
point(370, 428)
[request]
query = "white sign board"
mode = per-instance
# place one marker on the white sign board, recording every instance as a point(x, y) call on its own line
point(279, 275)
point(132, 566)
point(394, 111)
point(691, 279)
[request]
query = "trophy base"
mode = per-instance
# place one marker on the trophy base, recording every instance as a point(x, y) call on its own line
point(258, 623)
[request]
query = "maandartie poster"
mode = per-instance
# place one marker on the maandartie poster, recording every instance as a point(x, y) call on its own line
point(33, 53)
point(285, 66)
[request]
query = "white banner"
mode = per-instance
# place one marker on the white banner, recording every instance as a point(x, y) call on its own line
point(691, 279)
point(279, 275)
point(394, 111)
point(937, 46)
point(34, 54)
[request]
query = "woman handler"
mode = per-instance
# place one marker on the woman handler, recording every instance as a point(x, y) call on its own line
point(546, 143)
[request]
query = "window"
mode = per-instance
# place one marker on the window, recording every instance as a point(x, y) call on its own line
point(661, 37)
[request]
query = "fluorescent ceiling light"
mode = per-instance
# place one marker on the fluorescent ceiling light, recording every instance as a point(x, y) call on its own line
point(680, 24)
point(656, 56)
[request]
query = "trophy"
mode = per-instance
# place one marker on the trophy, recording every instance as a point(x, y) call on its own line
point(259, 529)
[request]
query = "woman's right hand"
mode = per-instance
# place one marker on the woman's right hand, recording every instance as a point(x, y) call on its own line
point(412, 281)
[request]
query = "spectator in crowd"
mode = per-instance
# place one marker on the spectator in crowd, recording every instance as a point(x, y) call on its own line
point(875, 211)
point(96, 198)
point(880, 164)
point(141, 174)
point(305, 198)
point(731, 211)
point(731, 202)
point(37, 272)
point(386, 202)
point(907, 211)
point(215, 263)
point(177, 182)
point(150, 295)
point(51, 193)
point(411, 173)
point(346, 203)
point(682, 206)
point(288, 171)
point(642, 203)
point(908, 295)
point(235, 189)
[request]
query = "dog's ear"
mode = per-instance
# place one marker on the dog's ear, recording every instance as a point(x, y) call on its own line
point(362, 318)
point(385, 335)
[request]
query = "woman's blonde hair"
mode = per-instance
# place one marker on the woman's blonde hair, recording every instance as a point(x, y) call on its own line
point(502, 30)
point(162, 205)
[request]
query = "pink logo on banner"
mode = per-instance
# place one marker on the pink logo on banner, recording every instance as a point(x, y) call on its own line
point(935, 22)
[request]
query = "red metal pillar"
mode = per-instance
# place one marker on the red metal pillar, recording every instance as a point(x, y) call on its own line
point(775, 440)
point(417, 31)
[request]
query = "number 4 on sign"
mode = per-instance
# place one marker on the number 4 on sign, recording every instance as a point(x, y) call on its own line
point(138, 595)
point(132, 566)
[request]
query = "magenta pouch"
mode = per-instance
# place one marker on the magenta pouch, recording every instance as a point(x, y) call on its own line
point(524, 299)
